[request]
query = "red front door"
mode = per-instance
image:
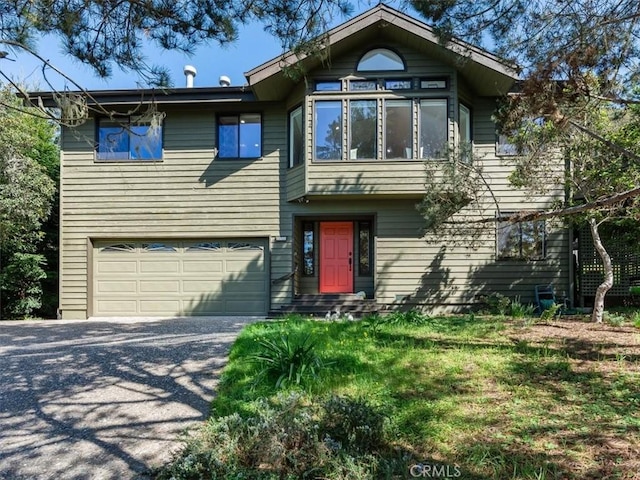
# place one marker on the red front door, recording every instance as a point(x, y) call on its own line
point(336, 257)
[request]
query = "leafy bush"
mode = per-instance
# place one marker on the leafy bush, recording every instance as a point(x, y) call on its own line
point(284, 439)
point(288, 360)
point(614, 319)
point(354, 424)
point(20, 283)
point(496, 303)
point(635, 319)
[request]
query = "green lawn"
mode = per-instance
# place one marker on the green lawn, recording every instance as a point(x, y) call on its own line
point(485, 397)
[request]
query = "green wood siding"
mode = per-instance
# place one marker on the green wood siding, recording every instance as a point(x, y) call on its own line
point(187, 195)
point(192, 195)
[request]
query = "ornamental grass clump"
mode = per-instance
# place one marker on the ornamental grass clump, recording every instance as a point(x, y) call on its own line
point(288, 360)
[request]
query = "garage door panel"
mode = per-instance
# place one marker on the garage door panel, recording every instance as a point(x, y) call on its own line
point(116, 287)
point(239, 266)
point(159, 286)
point(203, 266)
point(155, 266)
point(201, 286)
point(115, 307)
point(208, 277)
point(119, 267)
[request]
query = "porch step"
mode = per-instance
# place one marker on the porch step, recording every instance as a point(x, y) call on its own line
point(320, 305)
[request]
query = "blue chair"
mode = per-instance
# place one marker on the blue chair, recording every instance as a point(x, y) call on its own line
point(545, 298)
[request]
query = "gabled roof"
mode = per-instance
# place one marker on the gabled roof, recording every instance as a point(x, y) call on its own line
point(488, 74)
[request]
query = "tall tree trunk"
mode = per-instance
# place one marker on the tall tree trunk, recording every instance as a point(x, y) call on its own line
point(605, 286)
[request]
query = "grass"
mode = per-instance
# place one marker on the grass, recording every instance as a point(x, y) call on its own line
point(460, 391)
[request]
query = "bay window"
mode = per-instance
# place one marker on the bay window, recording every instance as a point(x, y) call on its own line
point(296, 137)
point(328, 130)
point(398, 140)
point(374, 127)
point(362, 123)
point(433, 127)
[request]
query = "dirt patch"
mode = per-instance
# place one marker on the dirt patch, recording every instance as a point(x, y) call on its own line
point(607, 439)
point(597, 346)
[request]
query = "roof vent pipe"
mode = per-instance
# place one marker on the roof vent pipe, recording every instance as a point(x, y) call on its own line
point(190, 73)
point(224, 81)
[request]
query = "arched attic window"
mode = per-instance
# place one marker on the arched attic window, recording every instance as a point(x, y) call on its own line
point(380, 59)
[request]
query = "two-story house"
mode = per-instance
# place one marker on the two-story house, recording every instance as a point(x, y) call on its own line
point(237, 200)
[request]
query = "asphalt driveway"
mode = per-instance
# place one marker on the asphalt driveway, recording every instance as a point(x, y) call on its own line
point(104, 399)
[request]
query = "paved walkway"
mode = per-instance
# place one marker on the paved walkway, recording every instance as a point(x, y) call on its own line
point(104, 399)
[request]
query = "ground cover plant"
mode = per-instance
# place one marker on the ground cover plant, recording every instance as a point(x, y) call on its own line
point(406, 395)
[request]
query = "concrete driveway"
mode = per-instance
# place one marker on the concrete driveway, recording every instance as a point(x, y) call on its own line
point(104, 399)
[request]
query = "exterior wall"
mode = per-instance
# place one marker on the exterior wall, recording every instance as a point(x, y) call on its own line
point(190, 194)
point(187, 195)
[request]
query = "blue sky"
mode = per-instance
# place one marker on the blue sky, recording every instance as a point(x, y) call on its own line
point(211, 61)
point(253, 48)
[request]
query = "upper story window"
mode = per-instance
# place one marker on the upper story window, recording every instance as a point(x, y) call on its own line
point(464, 131)
point(128, 138)
point(362, 85)
point(240, 136)
point(363, 115)
point(296, 137)
point(328, 86)
point(374, 123)
point(328, 130)
point(380, 59)
point(402, 84)
point(433, 127)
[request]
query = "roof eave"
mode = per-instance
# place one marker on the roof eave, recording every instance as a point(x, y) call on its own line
point(378, 14)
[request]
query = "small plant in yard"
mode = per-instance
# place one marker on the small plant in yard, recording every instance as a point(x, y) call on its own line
point(287, 359)
point(614, 319)
point(635, 319)
point(550, 312)
point(517, 309)
point(497, 304)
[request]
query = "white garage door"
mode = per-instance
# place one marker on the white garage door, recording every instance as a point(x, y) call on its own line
point(208, 277)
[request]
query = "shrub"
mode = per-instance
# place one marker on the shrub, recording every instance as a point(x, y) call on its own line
point(20, 282)
point(283, 439)
point(354, 424)
point(288, 360)
point(635, 319)
point(496, 303)
point(614, 319)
